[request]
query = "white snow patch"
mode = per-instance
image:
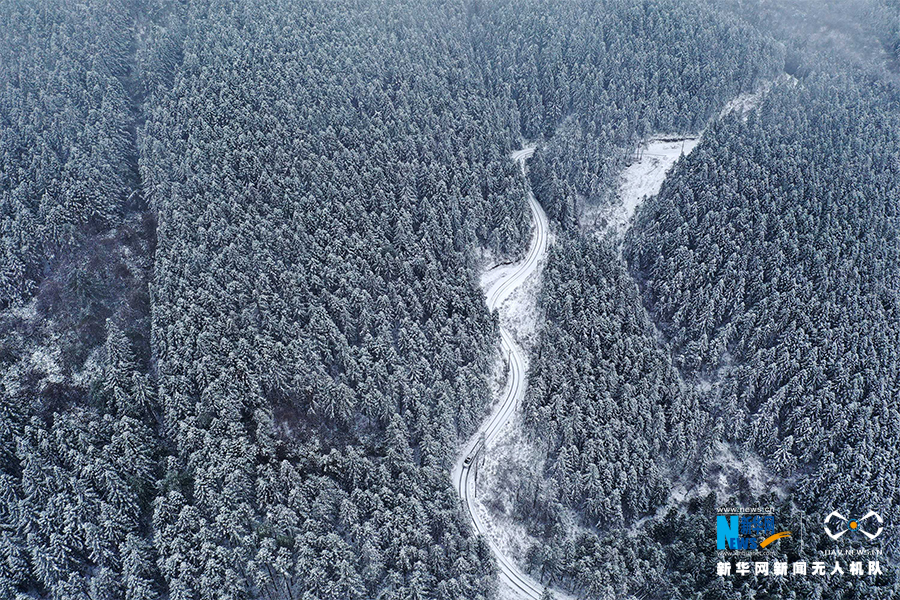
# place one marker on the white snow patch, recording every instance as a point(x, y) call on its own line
point(644, 177)
point(704, 385)
point(46, 360)
point(725, 472)
point(652, 161)
point(25, 312)
point(744, 103)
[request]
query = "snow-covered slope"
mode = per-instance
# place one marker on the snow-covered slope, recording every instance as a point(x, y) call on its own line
point(645, 176)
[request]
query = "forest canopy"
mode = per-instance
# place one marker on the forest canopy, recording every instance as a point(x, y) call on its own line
point(242, 337)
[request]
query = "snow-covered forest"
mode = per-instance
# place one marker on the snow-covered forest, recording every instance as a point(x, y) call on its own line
point(243, 341)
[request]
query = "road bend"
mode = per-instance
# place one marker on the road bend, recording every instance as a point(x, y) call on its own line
point(511, 397)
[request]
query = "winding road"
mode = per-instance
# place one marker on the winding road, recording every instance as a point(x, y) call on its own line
point(464, 471)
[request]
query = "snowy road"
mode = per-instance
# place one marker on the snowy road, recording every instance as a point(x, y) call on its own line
point(465, 471)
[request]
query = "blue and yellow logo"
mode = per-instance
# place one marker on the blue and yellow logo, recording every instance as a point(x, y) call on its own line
point(742, 532)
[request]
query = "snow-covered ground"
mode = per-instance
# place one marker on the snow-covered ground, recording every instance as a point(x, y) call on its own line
point(644, 177)
point(727, 469)
point(744, 103)
point(495, 271)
